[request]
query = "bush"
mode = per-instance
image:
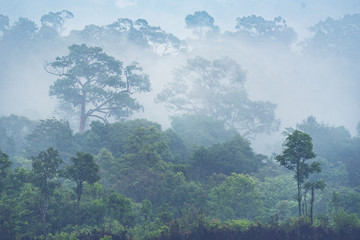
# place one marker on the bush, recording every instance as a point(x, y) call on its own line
point(344, 221)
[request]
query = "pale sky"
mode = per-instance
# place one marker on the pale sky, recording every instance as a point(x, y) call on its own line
point(170, 14)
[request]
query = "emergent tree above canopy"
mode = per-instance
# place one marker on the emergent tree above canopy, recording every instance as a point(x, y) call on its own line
point(216, 89)
point(298, 151)
point(97, 83)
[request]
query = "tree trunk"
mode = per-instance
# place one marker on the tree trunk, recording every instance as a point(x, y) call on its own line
point(312, 203)
point(82, 118)
point(45, 208)
point(305, 211)
point(78, 191)
point(299, 190)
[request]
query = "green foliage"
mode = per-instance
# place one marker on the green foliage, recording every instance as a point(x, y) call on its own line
point(29, 217)
point(83, 169)
point(200, 130)
point(61, 208)
point(347, 199)
point(46, 166)
point(111, 229)
point(5, 163)
point(146, 209)
point(235, 155)
point(298, 149)
point(51, 133)
point(148, 230)
point(239, 224)
point(13, 131)
point(237, 197)
point(178, 151)
point(111, 136)
point(120, 208)
point(145, 145)
point(344, 221)
point(93, 213)
point(165, 192)
point(279, 195)
point(107, 164)
point(332, 143)
point(336, 145)
point(62, 236)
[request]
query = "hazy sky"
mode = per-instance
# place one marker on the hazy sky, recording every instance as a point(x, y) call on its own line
point(170, 14)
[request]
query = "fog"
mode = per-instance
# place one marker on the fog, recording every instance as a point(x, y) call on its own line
point(298, 79)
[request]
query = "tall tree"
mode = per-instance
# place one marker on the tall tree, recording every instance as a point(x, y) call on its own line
point(51, 133)
point(298, 150)
point(201, 23)
point(13, 131)
point(312, 186)
point(5, 164)
point(83, 169)
point(56, 20)
point(216, 89)
point(258, 29)
point(46, 167)
point(232, 156)
point(236, 197)
point(4, 24)
point(200, 130)
point(161, 41)
point(339, 37)
point(97, 83)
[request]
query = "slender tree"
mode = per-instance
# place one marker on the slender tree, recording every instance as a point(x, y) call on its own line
point(83, 169)
point(45, 166)
point(314, 186)
point(5, 164)
point(298, 150)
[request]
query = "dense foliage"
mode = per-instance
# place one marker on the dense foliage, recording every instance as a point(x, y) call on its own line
point(135, 186)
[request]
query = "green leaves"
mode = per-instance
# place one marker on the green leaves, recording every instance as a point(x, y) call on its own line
point(83, 169)
point(237, 197)
point(232, 156)
point(5, 163)
point(299, 149)
point(51, 133)
point(46, 164)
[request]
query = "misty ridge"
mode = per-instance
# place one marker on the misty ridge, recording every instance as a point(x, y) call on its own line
point(316, 76)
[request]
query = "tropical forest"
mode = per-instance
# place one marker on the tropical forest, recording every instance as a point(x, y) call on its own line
point(153, 127)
